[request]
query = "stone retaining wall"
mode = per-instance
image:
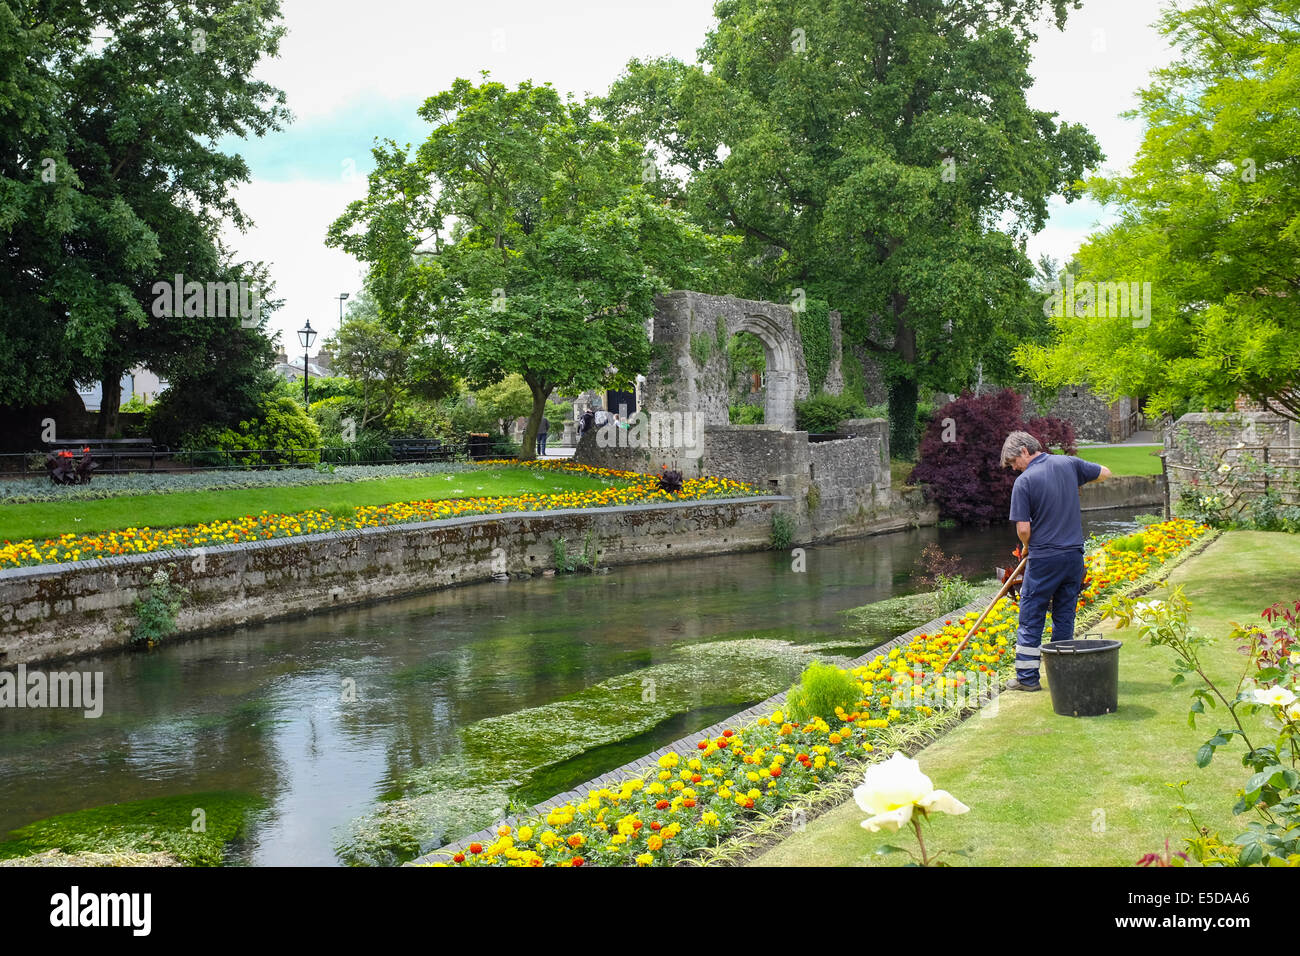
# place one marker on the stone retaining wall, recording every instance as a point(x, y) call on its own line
point(1123, 491)
point(61, 610)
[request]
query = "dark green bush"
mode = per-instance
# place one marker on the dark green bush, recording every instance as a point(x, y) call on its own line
point(823, 412)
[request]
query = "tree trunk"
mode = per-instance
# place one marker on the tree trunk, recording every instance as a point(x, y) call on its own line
point(541, 392)
point(903, 390)
point(109, 403)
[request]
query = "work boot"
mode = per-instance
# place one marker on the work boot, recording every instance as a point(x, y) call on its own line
point(1015, 684)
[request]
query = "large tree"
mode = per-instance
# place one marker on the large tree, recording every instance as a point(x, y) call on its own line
point(111, 180)
point(1210, 217)
point(519, 237)
point(878, 155)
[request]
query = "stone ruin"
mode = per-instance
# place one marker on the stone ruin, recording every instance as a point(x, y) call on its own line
point(839, 487)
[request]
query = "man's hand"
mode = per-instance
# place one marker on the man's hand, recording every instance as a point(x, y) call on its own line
point(1022, 532)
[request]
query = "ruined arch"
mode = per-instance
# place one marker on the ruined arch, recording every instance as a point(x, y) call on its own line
point(689, 370)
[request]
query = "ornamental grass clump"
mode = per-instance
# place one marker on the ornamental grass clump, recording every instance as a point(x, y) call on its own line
point(823, 690)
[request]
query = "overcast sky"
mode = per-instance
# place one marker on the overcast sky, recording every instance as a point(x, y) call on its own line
point(355, 71)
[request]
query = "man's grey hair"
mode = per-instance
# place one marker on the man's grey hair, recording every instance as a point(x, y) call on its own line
point(1016, 443)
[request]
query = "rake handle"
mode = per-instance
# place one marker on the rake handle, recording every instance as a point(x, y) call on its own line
point(1006, 586)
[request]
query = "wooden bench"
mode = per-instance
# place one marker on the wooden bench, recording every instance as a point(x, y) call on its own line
point(111, 449)
point(420, 449)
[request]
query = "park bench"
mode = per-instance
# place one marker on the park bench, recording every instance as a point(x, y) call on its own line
point(107, 452)
point(419, 449)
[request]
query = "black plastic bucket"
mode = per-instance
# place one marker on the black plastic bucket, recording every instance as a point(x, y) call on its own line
point(1083, 676)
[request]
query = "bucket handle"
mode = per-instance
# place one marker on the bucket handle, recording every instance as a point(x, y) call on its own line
point(1075, 650)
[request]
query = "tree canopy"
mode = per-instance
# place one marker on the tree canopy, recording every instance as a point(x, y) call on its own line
point(1210, 217)
point(881, 156)
point(110, 181)
point(518, 237)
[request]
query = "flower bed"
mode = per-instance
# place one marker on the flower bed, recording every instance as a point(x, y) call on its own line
point(627, 488)
point(732, 781)
point(27, 490)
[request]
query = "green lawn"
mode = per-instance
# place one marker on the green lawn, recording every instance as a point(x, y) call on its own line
point(47, 519)
point(1125, 459)
point(1035, 782)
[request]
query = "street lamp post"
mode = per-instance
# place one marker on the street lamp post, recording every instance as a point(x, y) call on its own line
point(342, 296)
point(306, 335)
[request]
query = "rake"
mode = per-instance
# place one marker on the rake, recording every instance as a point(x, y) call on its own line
point(1006, 586)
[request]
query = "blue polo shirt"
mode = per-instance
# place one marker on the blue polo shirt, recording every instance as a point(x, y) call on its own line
point(1046, 494)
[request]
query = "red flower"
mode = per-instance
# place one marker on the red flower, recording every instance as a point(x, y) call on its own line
point(688, 803)
point(728, 733)
point(637, 824)
point(577, 861)
point(775, 771)
point(703, 745)
point(662, 805)
point(476, 848)
point(459, 857)
point(749, 804)
point(696, 778)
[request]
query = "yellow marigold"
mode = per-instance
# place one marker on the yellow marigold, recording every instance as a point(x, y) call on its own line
point(645, 859)
point(655, 842)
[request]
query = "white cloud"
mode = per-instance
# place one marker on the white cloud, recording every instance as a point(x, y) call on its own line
point(291, 220)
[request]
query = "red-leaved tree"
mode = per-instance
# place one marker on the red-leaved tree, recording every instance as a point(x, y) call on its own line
point(960, 464)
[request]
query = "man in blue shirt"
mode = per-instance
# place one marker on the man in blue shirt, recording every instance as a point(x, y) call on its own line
point(1049, 522)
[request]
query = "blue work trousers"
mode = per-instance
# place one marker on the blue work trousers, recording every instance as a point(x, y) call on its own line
point(1052, 579)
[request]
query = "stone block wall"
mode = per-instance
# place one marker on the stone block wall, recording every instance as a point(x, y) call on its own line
point(1200, 442)
point(54, 611)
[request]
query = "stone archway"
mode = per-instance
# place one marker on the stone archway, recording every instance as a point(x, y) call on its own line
point(689, 370)
point(782, 377)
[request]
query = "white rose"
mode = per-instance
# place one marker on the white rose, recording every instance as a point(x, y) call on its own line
point(890, 790)
point(1274, 696)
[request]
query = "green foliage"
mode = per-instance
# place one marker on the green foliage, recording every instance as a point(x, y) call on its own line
point(561, 559)
point(282, 431)
point(1133, 543)
point(875, 189)
point(111, 180)
point(1270, 797)
point(545, 252)
point(701, 348)
point(1148, 519)
point(1208, 210)
point(164, 824)
point(855, 379)
point(953, 592)
point(813, 323)
point(782, 530)
point(894, 616)
point(746, 355)
point(745, 414)
point(823, 412)
point(156, 614)
point(821, 689)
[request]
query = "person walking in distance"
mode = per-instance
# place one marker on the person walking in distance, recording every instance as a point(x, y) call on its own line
point(542, 431)
point(1049, 523)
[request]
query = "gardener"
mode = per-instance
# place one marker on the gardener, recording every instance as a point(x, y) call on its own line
point(1049, 522)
